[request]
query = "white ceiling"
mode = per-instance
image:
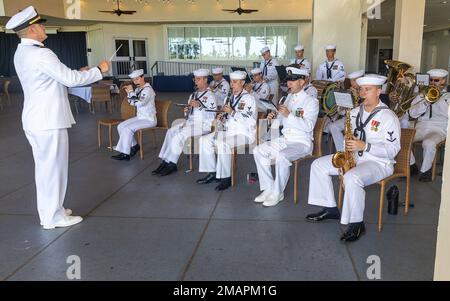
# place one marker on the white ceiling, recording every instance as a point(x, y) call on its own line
point(437, 16)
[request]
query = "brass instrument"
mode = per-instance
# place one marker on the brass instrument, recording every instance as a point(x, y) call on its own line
point(325, 95)
point(345, 160)
point(431, 94)
point(402, 84)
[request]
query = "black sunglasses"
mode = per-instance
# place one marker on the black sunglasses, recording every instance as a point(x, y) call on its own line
point(435, 80)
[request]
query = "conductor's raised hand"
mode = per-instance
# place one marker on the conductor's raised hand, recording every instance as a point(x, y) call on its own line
point(104, 66)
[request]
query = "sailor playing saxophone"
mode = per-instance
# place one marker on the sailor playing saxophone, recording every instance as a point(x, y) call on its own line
point(198, 123)
point(239, 121)
point(376, 143)
point(219, 86)
point(298, 116)
point(336, 127)
point(432, 119)
point(260, 90)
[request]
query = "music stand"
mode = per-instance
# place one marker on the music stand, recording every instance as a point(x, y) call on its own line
point(247, 79)
point(282, 73)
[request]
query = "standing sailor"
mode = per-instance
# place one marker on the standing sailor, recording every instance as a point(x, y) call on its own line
point(198, 122)
point(432, 120)
point(297, 116)
point(46, 114)
point(219, 86)
point(300, 59)
point(269, 71)
point(239, 128)
point(332, 69)
point(143, 98)
point(374, 147)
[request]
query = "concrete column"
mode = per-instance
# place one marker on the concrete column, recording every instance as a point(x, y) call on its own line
point(442, 261)
point(341, 23)
point(408, 33)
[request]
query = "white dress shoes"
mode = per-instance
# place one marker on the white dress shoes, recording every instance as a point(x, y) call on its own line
point(66, 222)
point(273, 199)
point(262, 197)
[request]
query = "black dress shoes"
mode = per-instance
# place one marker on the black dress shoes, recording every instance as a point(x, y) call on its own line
point(168, 169)
point(210, 178)
point(121, 157)
point(353, 232)
point(134, 150)
point(160, 168)
point(414, 170)
point(326, 213)
point(425, 176)
point(224, 184)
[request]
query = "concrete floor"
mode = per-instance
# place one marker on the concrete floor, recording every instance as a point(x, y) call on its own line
point(141, 227)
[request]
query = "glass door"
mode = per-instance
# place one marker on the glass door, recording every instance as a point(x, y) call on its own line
point(131, 56)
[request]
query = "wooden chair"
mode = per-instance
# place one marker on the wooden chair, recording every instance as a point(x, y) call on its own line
point(127, 111)
point(317, 152)
point(439, 148)
point(5, 92)
point(401, 170)
point(162, 109)
point(101, 93)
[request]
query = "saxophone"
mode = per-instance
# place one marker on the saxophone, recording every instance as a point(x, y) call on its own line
point(345, 160)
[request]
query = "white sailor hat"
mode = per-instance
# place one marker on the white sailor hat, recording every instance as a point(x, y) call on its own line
point(201, 73)
point(371, 80)
point(356, 74)
point(330, 47)
point(136, 73)
point(24, 18)
point(299, 48)
point(217, 71)
point(238, 75)
point(438, 73)
point(256, 71)
point(265, 49)
point(296, 73)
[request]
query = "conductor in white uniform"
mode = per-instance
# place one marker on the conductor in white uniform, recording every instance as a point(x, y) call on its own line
point(46, 113)
point(143, 98)
point(375, 145)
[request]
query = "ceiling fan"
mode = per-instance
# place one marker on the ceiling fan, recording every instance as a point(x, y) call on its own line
point(240, 10)
point(118, 11)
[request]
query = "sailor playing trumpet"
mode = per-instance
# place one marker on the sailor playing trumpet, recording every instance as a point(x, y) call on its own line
point(375, 145)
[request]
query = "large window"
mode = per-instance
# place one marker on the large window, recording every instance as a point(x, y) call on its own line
point(230, 42)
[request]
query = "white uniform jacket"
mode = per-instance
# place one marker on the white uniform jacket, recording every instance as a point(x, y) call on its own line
point(44, 82)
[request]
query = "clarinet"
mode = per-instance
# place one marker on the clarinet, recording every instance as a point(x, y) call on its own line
point(280, 103)
point(191, 108)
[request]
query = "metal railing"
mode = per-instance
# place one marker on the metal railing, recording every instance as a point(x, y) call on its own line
point(183, 68)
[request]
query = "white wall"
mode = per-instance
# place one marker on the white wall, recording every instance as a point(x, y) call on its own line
point(2, 8)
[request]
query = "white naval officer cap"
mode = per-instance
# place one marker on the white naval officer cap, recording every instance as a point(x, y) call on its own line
point(217, 71)
point(24, 18)
point(256, 71)
point(201, 73)
point(356, 74)
point(371, 80)
point(299, 48)
point(265, 49)
point(136, 73)
point(238, 75)
point(438, 73)
point(330, 47)
point(296, 73)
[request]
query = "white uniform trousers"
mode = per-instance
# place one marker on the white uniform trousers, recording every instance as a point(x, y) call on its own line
point(274, 87)
point(51, 160)
point(336, 129)
point(321, 192)
point(430, 138)
point(176, 138)
point(281, 153)
point(126, 131)
point(224, 144)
